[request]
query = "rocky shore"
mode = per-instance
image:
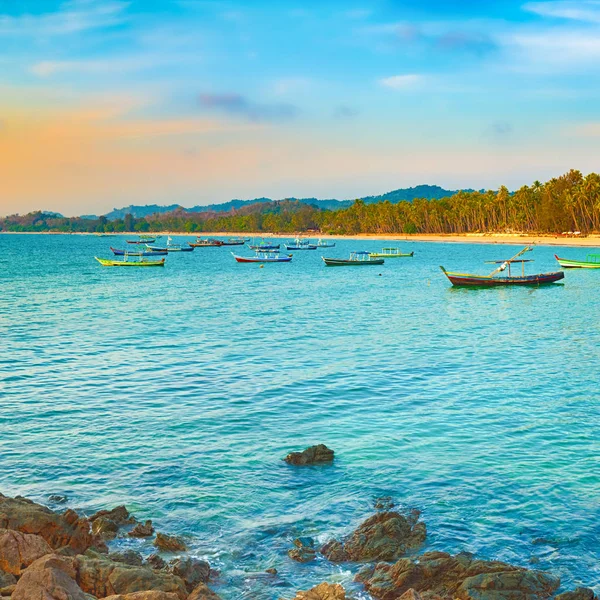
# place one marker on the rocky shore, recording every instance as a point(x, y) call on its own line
point(48, 555)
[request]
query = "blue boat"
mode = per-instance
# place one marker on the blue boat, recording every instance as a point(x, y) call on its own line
point(118, 252)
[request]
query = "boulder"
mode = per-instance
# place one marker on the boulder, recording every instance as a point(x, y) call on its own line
point(150, 595)
point(314, 455)
point(156, 561)
point(384, 536)
point(119, 515)
point(203, 592)
point(102, 577)
point(18, 550)
point(169, 543)
point(142, 530)
point(460, 576)
point(304, 550)
point(6, 579)
point(129, 557)
point(580, 593)
point(58, 530)
point(192, 570)
point(105, 528)
point(323, 591)
point(57, 499)
point(49, 578)
point(271, 571)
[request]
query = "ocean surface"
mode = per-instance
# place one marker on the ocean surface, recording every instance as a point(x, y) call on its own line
point(178, 391)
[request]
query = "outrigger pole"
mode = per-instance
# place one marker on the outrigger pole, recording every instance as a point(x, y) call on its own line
point(506, 263)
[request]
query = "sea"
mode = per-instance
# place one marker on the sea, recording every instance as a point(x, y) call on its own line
point(178, 391)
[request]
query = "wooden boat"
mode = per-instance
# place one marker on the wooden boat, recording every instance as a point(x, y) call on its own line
point(170, 247)
point(263, 257)
point(118, 252)
point(131, 263)
point(206, 243)
point(391, 253)
point(493, 280)
point(143, 239)
point(592, 261)
point(264, 246)
point(322, 244)
point(299, 244)
point(357, 259)
point(233, 242)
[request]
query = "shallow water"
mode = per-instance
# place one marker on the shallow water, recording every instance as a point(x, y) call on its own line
point(177, 391)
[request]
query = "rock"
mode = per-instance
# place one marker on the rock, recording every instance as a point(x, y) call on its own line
point(156, 561)
point(119, 515)
point(384, 503)
point(150, 595)
point(410, 595)
point(128, 557)
point(8, 590)
point(105, 528)
point(57, 499)
point(384, 536)
point(169, 543)
point(100, 576)
point(18, 550)
point(192, 570)
point(459, 576)
point(58, 530)
point(6, 579)
point(304, 550)
point(314, 455)
point(323, 591)
point(203, 592)
point(49, 578)
point(142, 530)
point(271, 571)
point(579, 593)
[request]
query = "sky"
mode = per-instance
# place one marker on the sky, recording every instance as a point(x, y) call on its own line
point(116, 102)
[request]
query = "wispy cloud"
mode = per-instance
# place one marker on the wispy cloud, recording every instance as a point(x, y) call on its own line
point(402, 82)
point(236, 104)
point(579, 10)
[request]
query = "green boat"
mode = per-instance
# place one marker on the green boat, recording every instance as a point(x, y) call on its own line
point(357, 259)
point(592, 261)
point(142, 262)
point(391, 253)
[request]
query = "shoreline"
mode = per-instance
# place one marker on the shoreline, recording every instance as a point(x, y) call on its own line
point(516, 239)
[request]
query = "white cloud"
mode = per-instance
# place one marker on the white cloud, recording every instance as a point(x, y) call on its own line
point(583, 10)
point(402, 82)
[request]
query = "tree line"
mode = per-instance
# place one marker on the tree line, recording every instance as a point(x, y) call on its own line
point(567, 203)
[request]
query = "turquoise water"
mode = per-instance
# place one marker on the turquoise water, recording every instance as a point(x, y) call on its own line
point(177, 391)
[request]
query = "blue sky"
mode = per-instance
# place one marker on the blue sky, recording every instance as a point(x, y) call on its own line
point(191, 101)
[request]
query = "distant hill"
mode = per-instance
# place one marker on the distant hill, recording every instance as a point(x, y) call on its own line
point(428, 192)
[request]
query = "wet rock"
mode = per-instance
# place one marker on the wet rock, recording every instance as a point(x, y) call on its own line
point(58, 530)
point(119, 515)
point(18, 550)
point(459, 576)
point(384, 536)
point(192, 570)
point(169, 543)
point(156, 562)
point(105, 528)
point(49, 578)
point(142, 530)
point(323, 591)
point(314, 455)
point(271, 571)
point(150, 595)
point(58, 499)
point(534, 560)
point(580, 593)
point(304, 550)
point(203, 592)
point(100, 576)
point(128, 557)
point(384, 503)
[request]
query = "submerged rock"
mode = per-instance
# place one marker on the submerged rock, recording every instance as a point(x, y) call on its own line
point(304, 550)
point(384, 503)
point(271, 571)
point(142, 530)
point(384, 536)
point(314, 455)
point(18, 550)
point(459, 576)
point(57, 499)
point(192, 570)
point(323, 591)
point(169, 543)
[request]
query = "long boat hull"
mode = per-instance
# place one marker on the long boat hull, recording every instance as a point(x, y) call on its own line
point(118, 252)
point(148, 241)
point(339, 262)
point(211, 245)
point(266, 247)
point(309, 247)
point(467, 280)
point(232, 243)
point(383, 255)
point(137, 263)
point(261, 259)
point(566, 263)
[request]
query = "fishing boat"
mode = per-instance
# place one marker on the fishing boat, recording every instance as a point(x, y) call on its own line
point(391, 253)
point(170, 247)
point(325, 244)
point(131, 263)
point(263, 256)
point(143, 239)
point(357, 259)
point(233, 242)
point(118, 252)
point(206, 243)
point(264, 246)
point(299, 244)
point(495, 279)
point(592, 261)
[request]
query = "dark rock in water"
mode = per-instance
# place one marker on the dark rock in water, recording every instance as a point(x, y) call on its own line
point(314, 455)
point(58, 499)
point(580, 593)
point(304, 550)
point(128, 557)
point(18, 550)
point(169, 543)
point(191, 570)
point(304, 542)
point(58, 530)
point(119, 515)
point(384, 503)
point(534, 560)
point(142, 530)
point(384, 536)
point(105, 528)
point(271, 571)
point(203, 592)
point(156, 561)
point(459, 576)
point(323, 591)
